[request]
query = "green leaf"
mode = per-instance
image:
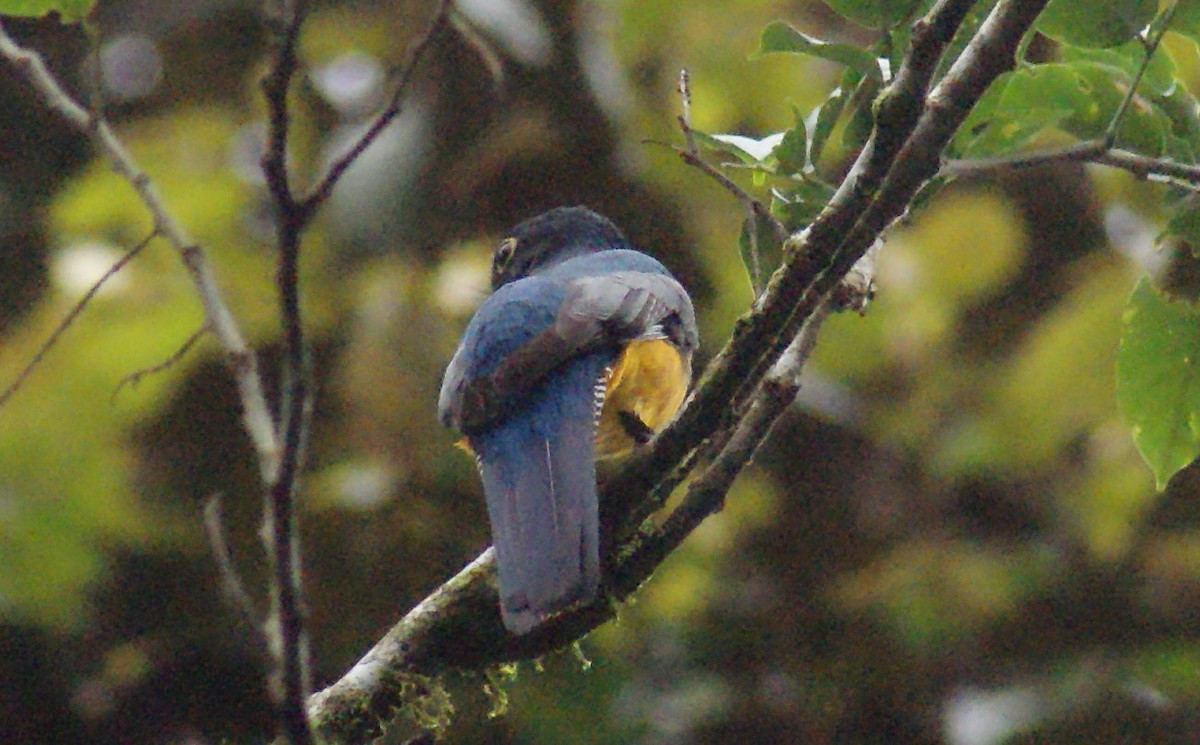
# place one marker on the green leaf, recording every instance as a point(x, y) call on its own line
point(760, 256)
point(1096, 23)
point(69, 11)
point(1186, 20)
point(800, 203)
point(778, 37)
point(875, 13)
point(858, 128)
point(1185, 222)
point(1079, 97)
point(1179, 246)
point(827, 113)
point(1159, 78)
point(746, 149)
point(792, 151)
point(1158, 379)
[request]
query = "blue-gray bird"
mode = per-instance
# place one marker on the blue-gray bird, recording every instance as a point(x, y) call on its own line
point(583, 351)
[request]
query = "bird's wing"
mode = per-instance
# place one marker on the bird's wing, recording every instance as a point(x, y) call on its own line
point(595, 312)
point(626, 305)
point(506, 350)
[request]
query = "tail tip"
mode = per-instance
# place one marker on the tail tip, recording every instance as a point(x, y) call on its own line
point(520, 616)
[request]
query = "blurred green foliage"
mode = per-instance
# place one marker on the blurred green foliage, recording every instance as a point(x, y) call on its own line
point(68, 11)
point(952, 528)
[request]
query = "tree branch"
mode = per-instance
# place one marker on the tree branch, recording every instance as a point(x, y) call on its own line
point(706, 494)
point(135, 377)
point(69, 319)
point(256, 416)
point(741, 364)
point(231, 583)
point(285, 629)
point(1165, 170)
point(760, 336)
point(324, 186)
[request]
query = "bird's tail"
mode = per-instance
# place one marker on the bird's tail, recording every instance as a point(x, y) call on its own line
point(539, 478)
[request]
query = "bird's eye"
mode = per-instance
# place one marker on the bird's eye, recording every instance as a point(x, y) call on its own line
point(504, 254)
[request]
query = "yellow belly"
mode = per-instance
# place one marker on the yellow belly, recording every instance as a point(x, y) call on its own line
point(649, 381)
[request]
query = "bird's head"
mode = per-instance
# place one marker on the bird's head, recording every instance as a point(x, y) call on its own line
point(549, 238)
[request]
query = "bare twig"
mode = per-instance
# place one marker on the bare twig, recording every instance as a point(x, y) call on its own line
point(1163, 23)
point(1165, 170)
point(755, 210)
point(290, 678)
point(136, 376)
point(691, 155)
point(69, 319)
point(285, 629)
point(1077, 152)
point(256, 415)
point(685, 112)
point(231, 584)
point(696, 161)
point(275, 86)
point(324, 186)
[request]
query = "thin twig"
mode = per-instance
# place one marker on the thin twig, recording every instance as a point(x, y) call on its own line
point(325, 185)
point(231, 584)
point(755, 210)
point(256, 416)
point(1152, 168)
point(1151, 46)
point(1076, 152)
point(275, 86)
point(133, 378)
point(285, 628)
point(1166, 170)
point(73, 314)
point(696, 161)
point(685, 112)
point(691, 155)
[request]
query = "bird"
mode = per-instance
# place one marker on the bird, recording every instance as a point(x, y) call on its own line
point(583, 351)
